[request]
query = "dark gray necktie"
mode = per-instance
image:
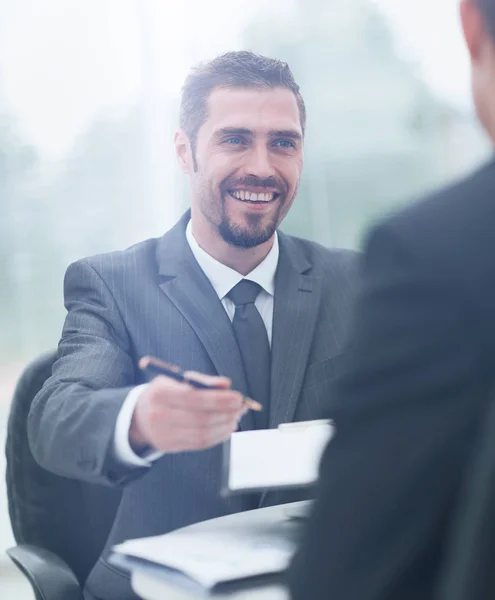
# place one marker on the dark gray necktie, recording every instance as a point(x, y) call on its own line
point(253, 343)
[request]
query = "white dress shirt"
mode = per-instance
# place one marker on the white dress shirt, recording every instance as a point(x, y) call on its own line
point(223, 279)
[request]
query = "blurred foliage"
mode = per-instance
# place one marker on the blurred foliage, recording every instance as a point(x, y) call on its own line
point(94, 200)
point(375, 135)
point(100, 190)
point(18, 162)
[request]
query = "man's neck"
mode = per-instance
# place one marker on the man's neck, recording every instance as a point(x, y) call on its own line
point(242, 260)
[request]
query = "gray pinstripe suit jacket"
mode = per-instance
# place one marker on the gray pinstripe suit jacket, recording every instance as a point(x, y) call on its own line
point(154, 299)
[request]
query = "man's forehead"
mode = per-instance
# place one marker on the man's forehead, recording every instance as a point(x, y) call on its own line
point(255, 109)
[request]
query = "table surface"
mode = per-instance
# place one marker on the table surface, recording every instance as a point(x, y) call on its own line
point(150, 587)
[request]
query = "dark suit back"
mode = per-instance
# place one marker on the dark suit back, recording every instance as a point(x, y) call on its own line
point(411, 403)
point(154, 299)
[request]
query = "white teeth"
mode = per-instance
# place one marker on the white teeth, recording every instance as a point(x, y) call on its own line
point(252, 197)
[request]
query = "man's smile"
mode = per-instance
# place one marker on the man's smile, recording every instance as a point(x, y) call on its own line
point(254, 197)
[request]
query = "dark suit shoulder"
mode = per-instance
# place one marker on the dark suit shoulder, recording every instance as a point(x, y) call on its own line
point(452, 225)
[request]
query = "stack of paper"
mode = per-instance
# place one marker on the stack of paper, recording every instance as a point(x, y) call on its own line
point(212, 557)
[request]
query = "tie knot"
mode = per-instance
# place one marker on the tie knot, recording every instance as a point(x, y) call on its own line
point(245, 292)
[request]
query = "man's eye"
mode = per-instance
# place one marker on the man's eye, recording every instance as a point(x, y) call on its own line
point(285, 144)
point(234, 141)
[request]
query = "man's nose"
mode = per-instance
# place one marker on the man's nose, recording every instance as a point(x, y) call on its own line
point(259, 163)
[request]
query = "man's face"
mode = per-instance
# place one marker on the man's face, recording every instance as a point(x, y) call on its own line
point(249, 158)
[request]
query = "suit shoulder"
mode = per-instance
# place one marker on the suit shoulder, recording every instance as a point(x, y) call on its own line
point(452, 215)
point(448, 232)
point(139, 257)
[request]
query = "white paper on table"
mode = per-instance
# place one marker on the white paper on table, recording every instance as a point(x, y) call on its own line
point(288, 456)
point(213, 557)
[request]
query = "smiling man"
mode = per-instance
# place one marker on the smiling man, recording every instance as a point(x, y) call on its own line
point(223, 294)
point(244, 161)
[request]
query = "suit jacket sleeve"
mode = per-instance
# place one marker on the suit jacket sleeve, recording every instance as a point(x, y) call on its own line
point(406, 413)
point(72, 420)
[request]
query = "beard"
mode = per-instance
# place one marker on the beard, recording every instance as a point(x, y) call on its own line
point(250, 235)
point(256, 228)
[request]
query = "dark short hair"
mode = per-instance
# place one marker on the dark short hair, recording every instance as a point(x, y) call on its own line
point(487, 10)
point(232, 70)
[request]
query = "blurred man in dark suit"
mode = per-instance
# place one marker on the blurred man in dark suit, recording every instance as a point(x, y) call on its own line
point(420, 374)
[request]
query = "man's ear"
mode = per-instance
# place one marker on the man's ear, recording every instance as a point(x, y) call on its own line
point(473, 29)
point(183, 152)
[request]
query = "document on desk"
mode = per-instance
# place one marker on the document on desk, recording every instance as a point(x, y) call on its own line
point(210, 558)
point(286, 457)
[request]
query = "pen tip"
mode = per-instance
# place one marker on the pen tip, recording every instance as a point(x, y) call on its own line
point(253, 405)
point(144, 362)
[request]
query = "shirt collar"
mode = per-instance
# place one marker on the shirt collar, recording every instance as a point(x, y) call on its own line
point(223, 278)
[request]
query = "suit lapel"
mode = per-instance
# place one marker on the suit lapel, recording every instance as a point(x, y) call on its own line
point(297, 302)
point(188, 288)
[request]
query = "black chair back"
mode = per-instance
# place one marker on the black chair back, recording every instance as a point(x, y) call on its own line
point(67, 517)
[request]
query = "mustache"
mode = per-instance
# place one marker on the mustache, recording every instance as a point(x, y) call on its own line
point(253, 181)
